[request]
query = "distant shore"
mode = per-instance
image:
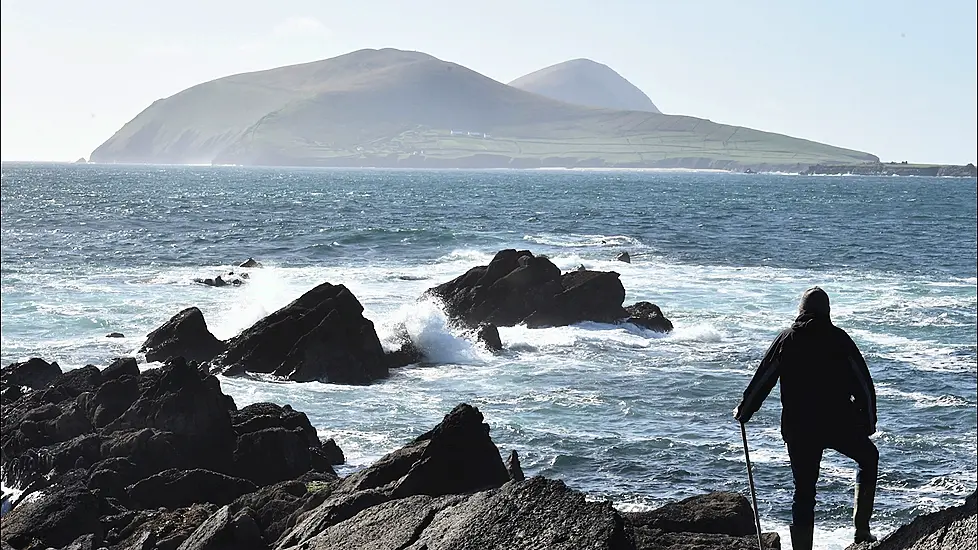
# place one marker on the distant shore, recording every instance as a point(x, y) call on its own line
point(894, 169)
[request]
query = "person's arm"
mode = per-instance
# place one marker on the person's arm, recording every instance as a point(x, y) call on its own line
point(763, 381)
point(864, 394)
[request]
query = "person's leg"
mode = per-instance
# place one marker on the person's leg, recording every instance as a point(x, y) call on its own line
point(805, 457)
point(862, 449)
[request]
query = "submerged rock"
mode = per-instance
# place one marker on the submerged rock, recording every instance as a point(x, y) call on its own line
point(648, 315)
point(624, 257)
point(250, 262)
point(322, 335)
point(115, 335)
point(488, 335)
point(225, 279)
point(184, 335)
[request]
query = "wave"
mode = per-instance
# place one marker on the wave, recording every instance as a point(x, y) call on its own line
point(584, 240)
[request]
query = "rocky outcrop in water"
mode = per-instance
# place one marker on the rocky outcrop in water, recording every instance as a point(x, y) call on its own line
point(955, 527)
point(894, 169)
point(520, 288)
point(184, 335)
point(176, 465)
point(321, 336)
point(224, 279)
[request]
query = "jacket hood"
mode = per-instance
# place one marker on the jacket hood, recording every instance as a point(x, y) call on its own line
point(814, 306)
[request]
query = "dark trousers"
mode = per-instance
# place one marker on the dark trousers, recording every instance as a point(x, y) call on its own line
point(805, 454)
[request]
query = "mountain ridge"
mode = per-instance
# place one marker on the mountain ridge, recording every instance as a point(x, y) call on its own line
point(398, 108)
point(582, 81)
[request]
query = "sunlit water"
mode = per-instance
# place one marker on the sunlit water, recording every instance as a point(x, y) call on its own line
point(617, 412)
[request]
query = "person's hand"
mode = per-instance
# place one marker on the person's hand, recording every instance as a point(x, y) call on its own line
point(736, 414)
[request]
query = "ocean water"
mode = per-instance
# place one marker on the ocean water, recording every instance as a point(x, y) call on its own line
point(620, 413)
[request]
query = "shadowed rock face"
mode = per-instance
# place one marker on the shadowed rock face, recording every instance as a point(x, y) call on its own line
point(518, 287)
point(184, 335)
point(109, 447)
point(321, 336)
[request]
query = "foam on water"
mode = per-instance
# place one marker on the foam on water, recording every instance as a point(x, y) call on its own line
point(619, 412)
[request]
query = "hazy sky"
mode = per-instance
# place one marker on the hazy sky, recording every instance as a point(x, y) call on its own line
point(897, 79)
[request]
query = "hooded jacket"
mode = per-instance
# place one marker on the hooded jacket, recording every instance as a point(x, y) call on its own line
point(826, 387)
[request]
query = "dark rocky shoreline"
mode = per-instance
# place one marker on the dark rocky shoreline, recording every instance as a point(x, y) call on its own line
point(124, 458)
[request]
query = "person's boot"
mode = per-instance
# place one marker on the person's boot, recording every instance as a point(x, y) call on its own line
point(865, 495)
point(801, 536)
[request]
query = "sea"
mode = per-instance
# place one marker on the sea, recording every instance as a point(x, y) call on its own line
point(620, 413)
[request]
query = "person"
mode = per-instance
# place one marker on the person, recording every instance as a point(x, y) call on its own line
point(827, 402)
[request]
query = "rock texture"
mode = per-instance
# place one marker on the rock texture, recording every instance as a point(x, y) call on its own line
point(322, 335)
point(184, 335)
point(520, 288)
point(136, 459)
point(955, 527)
point(122, 459)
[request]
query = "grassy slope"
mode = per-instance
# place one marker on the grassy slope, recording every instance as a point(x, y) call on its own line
point(387, 107)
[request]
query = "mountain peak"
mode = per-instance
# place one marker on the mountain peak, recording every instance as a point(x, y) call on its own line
point(586, 82)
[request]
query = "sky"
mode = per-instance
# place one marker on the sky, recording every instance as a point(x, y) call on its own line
point(896, 79)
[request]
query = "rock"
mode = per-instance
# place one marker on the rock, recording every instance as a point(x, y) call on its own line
point(955, 527)
point(250, 262)
point(222, 531)
point(178, 488)
point(656, 539)
point(648, 316)
point(115, 335)
point(123, 366)
point(271, 455)
point(184, 335)
point(537, 513)
point(224, 279)
point(719, 512)
point(333, 452)
point(84, 542)
point(456, 456)
point(514, 468)
point(407, 354)
point(518, 287)
point(624, 257)
point(272, 506)
point(488, 335)
point(56, 518)
point(155, 529)
point(34, 373)
point(321, 336)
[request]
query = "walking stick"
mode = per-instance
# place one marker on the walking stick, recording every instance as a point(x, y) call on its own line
point(753, 493)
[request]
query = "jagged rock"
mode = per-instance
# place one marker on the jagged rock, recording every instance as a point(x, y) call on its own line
point(271, 455)
point(271, 507)
point(84, 542)
point(56, 518)
point(223, 531)
point(250, 262)
point(514, 468)
point(115, 335)
point(154, 529)
point(34, 373)
point(536, 513)
point(407, 354)
point(954, 527)
point(624, 257)
point(333, 452)
point(184, 335)
point(488, 335)
point(321, 336)
point(224, 279)
point(648, 315)
point(456, 456)
point(178, 488)
point(518, 287)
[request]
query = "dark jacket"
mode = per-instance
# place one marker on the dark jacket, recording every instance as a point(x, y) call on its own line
point(826, 387)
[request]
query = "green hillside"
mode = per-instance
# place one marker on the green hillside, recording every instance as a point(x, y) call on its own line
point(395, 108)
